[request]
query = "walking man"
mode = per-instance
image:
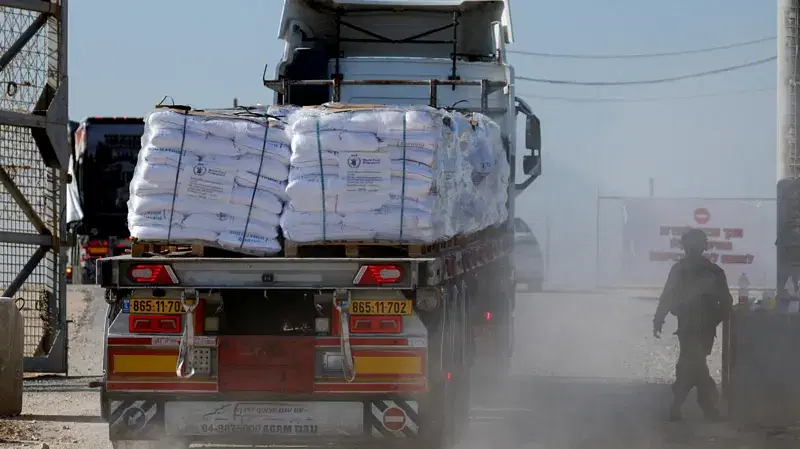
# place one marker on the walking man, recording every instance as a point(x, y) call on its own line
point(697, 293)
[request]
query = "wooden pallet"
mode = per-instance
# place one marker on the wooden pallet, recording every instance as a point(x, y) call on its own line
point(193, 249)
point(377, 249)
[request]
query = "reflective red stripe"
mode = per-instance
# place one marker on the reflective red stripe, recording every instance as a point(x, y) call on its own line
point(336, 342)
point(199, 387)
point(368, 388)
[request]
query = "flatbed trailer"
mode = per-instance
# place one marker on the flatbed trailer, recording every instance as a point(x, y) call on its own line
point(206, 346)
point(358, 360)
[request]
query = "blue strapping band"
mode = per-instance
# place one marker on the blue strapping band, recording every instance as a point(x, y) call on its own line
point(258, 178)
point(403, 188)
point(322, 184)
point(177, 175)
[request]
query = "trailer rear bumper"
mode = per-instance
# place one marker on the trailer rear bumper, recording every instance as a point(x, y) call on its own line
point(223, 421)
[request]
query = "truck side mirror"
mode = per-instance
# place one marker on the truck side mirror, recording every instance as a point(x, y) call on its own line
point(533, 133)
point(533, 142)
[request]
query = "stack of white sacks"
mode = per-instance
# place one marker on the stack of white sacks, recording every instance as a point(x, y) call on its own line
point(413, 174)
point(212, 177)
point(397, 174)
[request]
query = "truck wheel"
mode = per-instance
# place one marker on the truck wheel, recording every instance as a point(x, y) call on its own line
point(436, 419)
point(104, 405)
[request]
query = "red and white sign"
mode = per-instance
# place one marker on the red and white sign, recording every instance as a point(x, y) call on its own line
point(741, 235)
point(394, 419)
point(701, 216)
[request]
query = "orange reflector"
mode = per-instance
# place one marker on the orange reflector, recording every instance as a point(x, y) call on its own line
point(140, 364)
point(366, 365)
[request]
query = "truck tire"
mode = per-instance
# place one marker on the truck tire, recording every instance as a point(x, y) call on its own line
point(436, 419)
point(104, 405)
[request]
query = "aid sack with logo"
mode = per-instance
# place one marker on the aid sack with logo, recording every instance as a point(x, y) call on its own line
point(212, 176)
point(385, 173)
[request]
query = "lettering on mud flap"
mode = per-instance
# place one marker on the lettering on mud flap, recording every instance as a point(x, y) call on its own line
point(264, 418)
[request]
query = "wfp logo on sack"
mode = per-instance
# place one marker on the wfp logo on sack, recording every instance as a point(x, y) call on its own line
point(354, 161)
point(199, 169)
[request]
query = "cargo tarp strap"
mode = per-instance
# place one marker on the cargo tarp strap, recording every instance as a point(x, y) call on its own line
point(343, 306)
point(177, 176)
point(403, 188)
point(255, 187)
point(185, 366)
point(322, 185)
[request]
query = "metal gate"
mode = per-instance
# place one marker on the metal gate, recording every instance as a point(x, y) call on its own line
point(33, 160)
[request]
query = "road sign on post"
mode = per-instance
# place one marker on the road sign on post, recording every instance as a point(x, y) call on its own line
point(34, 155)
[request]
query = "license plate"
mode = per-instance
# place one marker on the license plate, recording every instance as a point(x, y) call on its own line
point(157, 306)
point(381, 307)
point(264, 418)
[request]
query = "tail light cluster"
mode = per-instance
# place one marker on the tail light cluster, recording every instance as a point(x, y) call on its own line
point(378, 275)
point(97, 248)
point(152, 274)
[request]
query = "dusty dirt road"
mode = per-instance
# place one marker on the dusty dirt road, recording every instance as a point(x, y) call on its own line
point(586, 374)
point(63, 412)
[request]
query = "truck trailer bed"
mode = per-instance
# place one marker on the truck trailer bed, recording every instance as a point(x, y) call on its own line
point(298, 272)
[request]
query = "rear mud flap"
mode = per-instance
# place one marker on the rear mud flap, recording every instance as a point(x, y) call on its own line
point(135, 420)
point(392, 419)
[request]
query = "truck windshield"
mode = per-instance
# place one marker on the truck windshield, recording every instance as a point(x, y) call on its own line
point(105, 171)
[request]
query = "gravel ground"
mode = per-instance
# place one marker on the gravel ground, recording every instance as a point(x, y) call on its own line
point(587, 373)
point(63, 412)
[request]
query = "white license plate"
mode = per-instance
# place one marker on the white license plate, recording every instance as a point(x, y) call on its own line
point(264, 418)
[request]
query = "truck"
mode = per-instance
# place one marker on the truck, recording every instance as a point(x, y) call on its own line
point(104, 151)
point(287, 350)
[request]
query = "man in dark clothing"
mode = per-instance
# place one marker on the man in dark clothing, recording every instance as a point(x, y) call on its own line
point(697, 293)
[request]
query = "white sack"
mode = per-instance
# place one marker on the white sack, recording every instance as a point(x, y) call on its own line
point(390, 119)
point(440, 174)
point(150, 203)
point(236, 240)
point(229, 126)
point(176, 234)
point(213, 181)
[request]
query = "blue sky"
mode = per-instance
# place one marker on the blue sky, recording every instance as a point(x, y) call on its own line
point(125, 56)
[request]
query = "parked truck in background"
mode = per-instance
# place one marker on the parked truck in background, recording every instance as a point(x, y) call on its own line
point(104, 151)
point(271, 350)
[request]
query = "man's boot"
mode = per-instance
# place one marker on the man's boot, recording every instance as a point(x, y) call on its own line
point(675, 412)
point(712, 415)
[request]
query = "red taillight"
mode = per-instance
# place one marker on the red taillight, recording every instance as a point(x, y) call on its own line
point(488, 316)
point(152, 274)
point(155, 324)
point(378, 274)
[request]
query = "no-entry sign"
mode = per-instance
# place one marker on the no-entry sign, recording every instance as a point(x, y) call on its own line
point(394, 419)
point(701, 215)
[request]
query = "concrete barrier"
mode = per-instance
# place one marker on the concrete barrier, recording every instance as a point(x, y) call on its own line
point(12, 336)
point(764, 368)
